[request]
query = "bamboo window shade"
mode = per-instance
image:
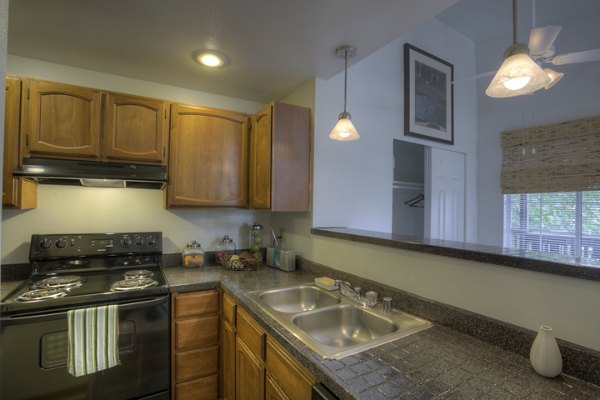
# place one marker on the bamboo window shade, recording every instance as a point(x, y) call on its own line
point(562, 157)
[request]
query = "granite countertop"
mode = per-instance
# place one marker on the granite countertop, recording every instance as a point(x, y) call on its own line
point(438, 363)
point(515, 258)
point(8, 286)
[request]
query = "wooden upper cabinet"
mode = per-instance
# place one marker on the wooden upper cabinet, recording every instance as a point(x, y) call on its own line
point(16, 192)
point(280, 158)
point(135, 128)
point(208, 162)
point(62, 120)
point(260, 159)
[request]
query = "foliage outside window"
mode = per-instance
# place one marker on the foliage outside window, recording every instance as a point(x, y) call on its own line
point(561, 223)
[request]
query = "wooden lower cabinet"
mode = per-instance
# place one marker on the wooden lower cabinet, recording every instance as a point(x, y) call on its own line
point(195, 345)
point(286, 371)
point(204, 388)
point(249, 372)
point(272, 390)
point(253, 365)
point(228, 356)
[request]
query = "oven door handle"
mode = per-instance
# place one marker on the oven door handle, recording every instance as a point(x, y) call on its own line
point(62, 313)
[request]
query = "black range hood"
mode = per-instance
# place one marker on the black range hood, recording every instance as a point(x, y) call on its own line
point(93, 173)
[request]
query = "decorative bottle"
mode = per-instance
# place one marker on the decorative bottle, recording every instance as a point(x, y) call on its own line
point(224, 249)
point(256, 242)
point(545, 355)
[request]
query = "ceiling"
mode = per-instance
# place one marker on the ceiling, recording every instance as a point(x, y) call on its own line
point(274, 45)
point(483, 20)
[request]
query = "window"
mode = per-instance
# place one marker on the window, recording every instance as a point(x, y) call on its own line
point(566, 223)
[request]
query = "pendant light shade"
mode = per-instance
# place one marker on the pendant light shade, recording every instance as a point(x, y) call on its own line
point(344, 130)
point(518, 74)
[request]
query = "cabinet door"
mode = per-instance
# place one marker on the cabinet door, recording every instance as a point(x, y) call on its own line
point(208, 162)
point(272, 390)
point(291, 158)
point(16, 193)
point(228, 353)
point(135, 128)
point(260, 159)
point(62, 120)
point(295, 379)
point(250, 374)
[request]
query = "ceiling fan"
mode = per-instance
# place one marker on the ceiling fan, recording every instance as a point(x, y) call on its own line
point(521, 72)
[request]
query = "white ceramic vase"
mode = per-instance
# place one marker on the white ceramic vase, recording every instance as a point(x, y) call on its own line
point(545, 355)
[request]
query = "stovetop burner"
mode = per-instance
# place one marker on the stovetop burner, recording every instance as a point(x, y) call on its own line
point(133, 284)
point(138, 273)
point(61, 281)
point(42, 294)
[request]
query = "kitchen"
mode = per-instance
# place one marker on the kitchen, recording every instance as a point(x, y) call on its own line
point(562, 302)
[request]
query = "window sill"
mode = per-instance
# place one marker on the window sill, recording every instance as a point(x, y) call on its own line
point(532, 261)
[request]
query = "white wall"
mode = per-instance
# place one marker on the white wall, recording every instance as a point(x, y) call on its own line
point(63, 209)
point(577, 95)
point(353, 186)
point(523, 298)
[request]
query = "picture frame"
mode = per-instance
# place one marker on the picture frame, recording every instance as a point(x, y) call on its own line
point(428, 96)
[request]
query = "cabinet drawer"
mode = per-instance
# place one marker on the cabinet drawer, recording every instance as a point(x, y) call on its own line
point(195, 332)
point(195, 304)
point(288, 373)
point(250, 333)
point(229, 308)
point(196, 363)
point(199, 389)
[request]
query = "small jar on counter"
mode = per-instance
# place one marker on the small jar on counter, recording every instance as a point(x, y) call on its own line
point(225, 248)
point(256, 238)
point(193, 255)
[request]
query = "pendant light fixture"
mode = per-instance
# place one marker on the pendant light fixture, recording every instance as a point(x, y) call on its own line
point(344, 129)
point(518, 74)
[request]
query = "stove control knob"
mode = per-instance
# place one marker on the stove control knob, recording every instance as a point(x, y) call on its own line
point(138, 240)
point(151, 240)
point(126, 242)
point(46, 244)
point(61, 243)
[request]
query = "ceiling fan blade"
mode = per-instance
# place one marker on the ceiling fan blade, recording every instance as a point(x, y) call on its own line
point(578, 57)
point(470, 78)
point(542, 38)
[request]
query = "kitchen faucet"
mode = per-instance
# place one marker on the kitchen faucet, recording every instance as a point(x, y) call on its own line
point(354, 293)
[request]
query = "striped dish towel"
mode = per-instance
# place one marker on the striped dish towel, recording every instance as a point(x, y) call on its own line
point(93, 339)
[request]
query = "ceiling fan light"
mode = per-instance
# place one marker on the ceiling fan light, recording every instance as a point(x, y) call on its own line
point(517, 75)
point(344, 130)
point(554, 77)
point(516, 83)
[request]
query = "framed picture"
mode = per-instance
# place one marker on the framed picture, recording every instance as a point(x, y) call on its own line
point(428, 96)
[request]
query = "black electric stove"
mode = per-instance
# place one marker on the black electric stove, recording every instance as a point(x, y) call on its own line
point(77, 271)
point(71, 270)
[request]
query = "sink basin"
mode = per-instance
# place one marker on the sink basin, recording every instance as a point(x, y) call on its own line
point(332, 325)
point(297, 299)
point(344, 326)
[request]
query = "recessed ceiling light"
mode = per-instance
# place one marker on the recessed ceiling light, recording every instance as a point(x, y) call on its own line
point(211, 58)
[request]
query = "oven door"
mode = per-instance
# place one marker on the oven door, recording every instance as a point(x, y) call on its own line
point(34, 356)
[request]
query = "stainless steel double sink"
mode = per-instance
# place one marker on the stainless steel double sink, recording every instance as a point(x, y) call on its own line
point(332, 325)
